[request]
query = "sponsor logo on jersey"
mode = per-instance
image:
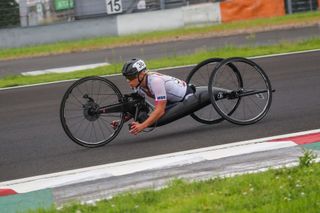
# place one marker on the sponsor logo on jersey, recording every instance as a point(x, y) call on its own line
point(161, 97)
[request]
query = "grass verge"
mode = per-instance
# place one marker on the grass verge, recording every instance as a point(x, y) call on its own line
point(154, 37)
point(180, 60)
point(283, 190)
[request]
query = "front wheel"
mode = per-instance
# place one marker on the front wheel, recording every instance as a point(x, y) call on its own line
point(79, 114)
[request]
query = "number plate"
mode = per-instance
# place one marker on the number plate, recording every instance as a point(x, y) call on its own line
point(114, 6)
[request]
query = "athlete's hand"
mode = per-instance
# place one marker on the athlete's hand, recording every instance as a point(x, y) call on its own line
point(136, 128)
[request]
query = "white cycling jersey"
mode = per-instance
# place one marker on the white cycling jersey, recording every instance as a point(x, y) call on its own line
point(163, 87)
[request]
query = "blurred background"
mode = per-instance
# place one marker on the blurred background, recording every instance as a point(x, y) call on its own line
point(25, 13)
point(33, 22)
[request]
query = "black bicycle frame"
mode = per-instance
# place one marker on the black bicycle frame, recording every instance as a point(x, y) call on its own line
point(131, 103)
point(128, 104)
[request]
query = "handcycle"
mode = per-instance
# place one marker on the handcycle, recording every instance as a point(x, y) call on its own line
point(233, 89)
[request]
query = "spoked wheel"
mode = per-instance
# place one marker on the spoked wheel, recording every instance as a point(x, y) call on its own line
point(79, 113)
point(253, 97)
point(199, 77)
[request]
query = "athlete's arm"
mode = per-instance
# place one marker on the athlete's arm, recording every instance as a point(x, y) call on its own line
point(158, 112)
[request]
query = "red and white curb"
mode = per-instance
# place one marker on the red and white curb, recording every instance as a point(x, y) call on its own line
point(301, 139)
point(161, 161)
point(6, 192)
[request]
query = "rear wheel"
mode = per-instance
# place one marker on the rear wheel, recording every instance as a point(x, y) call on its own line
point(253, 96)
point(199, 77)
point(79, 114)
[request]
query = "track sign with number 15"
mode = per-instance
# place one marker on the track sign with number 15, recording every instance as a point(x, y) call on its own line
point(114, 6)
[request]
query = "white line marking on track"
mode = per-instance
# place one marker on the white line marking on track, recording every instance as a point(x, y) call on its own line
point(64, 69)
point(285, 54)
point(147, 163)
point(186, 66)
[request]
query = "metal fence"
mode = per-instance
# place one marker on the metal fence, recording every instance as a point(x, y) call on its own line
point(42, 12)
point(96, 8)
point(296, 6)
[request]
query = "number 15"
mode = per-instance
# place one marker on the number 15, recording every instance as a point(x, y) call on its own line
point(114, 6)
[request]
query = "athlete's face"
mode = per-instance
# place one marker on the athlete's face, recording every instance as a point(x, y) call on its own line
point(133, 82)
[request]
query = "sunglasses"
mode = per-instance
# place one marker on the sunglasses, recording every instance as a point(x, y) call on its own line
point(130, 78)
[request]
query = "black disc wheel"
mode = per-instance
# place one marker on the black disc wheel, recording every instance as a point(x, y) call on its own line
point(252, 97)
point(199, 77)
point(79, 114)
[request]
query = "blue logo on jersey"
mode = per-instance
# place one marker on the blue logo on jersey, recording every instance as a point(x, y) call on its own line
point(161, 97)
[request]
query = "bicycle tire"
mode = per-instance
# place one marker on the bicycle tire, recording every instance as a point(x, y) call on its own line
point(205, 82)
point(75, 97)
point(248, 102)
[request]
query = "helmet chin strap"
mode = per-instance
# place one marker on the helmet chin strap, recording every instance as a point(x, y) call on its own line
point(140, 81)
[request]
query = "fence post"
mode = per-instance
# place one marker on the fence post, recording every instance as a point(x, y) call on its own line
point(162, 4)
point(23, 10)
point(310, 4)
point(289, 4)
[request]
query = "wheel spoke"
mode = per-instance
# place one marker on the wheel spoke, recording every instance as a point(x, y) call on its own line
point(101, 129)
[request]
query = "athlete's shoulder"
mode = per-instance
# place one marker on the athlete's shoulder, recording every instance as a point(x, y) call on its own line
point(155, 78)
point(155, 75)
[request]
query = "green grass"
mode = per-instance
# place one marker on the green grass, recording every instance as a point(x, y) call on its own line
point(109, 42)
point(194, 58)
point(283, 190)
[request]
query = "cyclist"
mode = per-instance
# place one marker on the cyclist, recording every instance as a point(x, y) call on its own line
point(164, 89)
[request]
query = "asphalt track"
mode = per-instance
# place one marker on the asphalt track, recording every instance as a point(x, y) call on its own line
point(33, 142)
point(150, 51)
